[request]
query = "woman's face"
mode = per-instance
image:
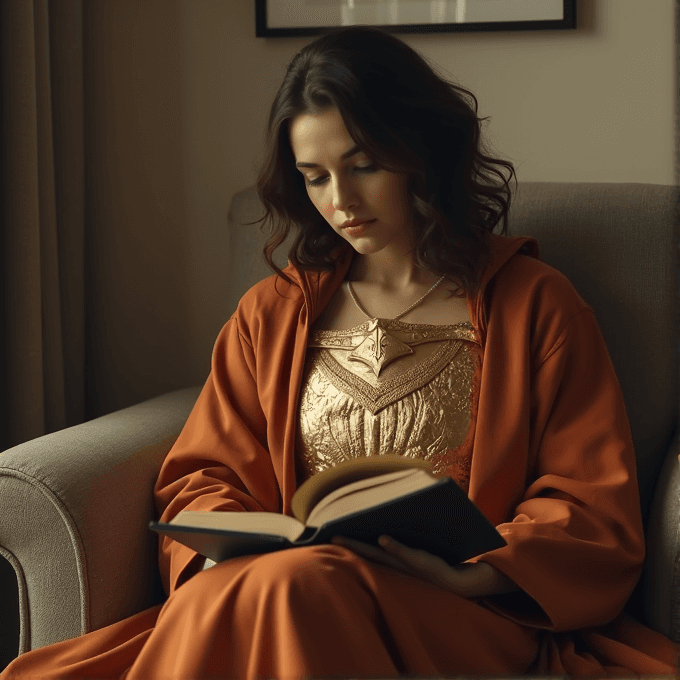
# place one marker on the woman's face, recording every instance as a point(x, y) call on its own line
point(344, 183)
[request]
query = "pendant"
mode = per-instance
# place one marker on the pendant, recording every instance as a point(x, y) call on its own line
point(379, 348)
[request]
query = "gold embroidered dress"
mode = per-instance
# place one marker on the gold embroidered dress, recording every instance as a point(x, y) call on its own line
point(420, 405)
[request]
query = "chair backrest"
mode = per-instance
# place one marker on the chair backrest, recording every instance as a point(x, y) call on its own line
point(615, 243)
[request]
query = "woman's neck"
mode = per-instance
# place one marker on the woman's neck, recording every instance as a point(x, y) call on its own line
point(391, 273)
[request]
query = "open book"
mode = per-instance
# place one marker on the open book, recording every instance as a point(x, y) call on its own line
point(360, 499)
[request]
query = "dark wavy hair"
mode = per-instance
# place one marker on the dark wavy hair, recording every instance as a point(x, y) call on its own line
point(408, 119)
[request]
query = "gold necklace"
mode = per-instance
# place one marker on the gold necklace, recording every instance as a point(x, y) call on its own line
point(378, 348)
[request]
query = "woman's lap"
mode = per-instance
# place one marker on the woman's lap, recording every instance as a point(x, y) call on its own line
point(322, 610)
point(305, 612)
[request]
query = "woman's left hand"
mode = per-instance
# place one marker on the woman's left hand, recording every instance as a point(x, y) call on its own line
point(467, 579)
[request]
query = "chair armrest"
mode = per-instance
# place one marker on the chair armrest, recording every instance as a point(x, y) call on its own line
point(661, 576)
point(74, 513)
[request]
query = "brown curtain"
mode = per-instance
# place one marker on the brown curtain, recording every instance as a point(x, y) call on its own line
point(42, 378)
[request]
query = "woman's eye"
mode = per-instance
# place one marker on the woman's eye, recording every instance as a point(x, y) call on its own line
point(359, 168)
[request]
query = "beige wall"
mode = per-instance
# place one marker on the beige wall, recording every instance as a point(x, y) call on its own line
point(179, 92)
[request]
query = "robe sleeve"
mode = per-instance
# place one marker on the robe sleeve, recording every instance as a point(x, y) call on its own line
point(575, 542)
point(220, 460)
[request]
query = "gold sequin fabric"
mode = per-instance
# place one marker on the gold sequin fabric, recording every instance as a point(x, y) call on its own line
point(420, 406)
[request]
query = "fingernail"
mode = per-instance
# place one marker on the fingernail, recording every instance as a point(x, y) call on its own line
point(384, 541)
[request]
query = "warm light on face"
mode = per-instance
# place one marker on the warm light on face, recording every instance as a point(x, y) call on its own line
point(344, 183)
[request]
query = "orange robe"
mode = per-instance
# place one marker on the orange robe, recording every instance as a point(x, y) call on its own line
point(553, 467)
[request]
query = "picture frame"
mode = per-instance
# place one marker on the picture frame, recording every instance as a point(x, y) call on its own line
point(288, 18)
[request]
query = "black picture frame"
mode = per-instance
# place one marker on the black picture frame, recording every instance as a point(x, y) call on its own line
point(263, 30)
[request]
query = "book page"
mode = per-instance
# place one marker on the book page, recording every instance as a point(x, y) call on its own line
point(271, 523)
point(367, 493)
point(318, 486)
point(369, 482)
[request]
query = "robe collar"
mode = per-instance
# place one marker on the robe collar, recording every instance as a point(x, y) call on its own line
point(319, 287)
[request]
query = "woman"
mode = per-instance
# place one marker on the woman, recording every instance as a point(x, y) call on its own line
point(402, 324)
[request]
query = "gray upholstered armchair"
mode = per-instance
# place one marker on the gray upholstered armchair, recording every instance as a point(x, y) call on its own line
point(75, 505)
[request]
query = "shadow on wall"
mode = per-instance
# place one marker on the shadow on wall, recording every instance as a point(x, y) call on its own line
point(138, 295)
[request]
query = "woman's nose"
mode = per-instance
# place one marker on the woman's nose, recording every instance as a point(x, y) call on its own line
point(345, 196)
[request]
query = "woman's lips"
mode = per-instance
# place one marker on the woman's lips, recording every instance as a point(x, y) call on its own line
point(359, 229)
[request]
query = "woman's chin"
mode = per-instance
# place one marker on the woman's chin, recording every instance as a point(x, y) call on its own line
point(365, 246)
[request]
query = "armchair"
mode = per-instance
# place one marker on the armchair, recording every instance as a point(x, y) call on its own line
point(65, 566)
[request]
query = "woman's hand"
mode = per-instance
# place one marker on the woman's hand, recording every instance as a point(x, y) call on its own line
point(467, 579)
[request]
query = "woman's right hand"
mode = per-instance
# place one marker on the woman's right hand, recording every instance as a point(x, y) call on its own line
point(469, 579)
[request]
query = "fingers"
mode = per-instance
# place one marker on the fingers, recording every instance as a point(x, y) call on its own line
point(427, 565)
point(398, 556)
point(363, 549)
point(375, 554)
point(410, 555)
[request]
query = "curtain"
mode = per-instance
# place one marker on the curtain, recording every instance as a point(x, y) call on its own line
point(42, 370)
